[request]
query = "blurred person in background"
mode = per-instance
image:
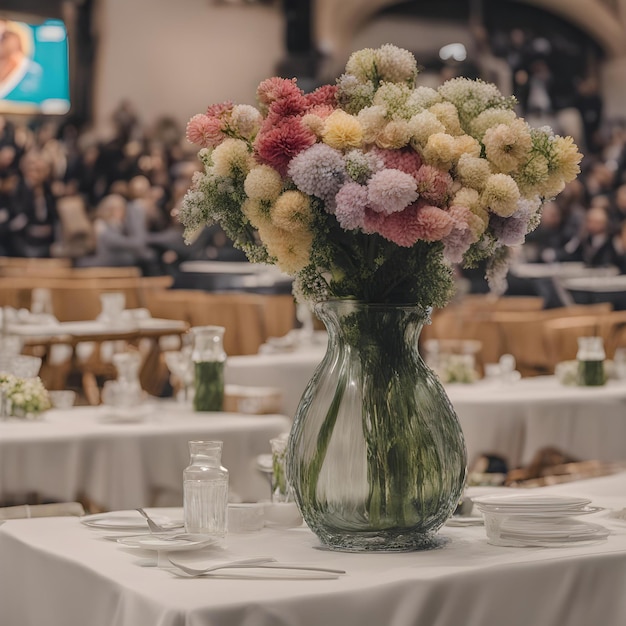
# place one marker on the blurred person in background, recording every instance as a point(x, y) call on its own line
point(114, 246)
point(595, 245)
point(32, 207)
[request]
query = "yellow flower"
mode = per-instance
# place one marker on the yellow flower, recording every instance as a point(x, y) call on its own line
point(533, 174)
point(263, 183)
point(342, 130)
point(422, 126)
point(473, 172)
point(508, 146)
point(567, 158)
point(394, 135)
point(489, 119)
point(232, 158)
point(500, 195)
point(448, 115)
point(440, 150)
point(465, 144)
point(292, 211)
point(470, 198)
point(290, 249)
point(257, 212)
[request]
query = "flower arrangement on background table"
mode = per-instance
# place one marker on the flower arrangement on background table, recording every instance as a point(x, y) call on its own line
point(368, 192)
point(25, 397)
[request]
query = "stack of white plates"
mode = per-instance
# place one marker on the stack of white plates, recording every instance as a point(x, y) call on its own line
point(538, 520)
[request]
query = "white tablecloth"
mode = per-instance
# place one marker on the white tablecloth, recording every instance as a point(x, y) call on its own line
point(513, 420)
point(288, 371)
point(58, 572)
point(126, 465)
point(516, 420)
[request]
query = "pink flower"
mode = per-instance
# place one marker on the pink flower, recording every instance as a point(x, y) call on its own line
point(372, 221)
point(204, 131)
point(406, 160)
point(403, 227)
point(433, 184)
point(221, 110)
point(351, 201)
point(292, 104)
point(390, 191)
point(321, 110)
point(276, 88)
point(324, 95)
point(434, 223)
point(278, 145)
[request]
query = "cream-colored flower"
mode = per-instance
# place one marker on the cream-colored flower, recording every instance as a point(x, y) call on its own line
point(447, 114)
point(395, 135)
point(246, 120)
point(313, 122)
point(257, 212)
point(471, 199)
point(489, 119)
point(423, 97)
point(552, 186)
point(567, 158)
point(422, 126)
point(508, 146)
point(473, 171)
point(362, 64)
point(263, 183)
point(372, 119)
point(290, 249)
point(292, 211)
point(440, 150)
point(396, 65)
point(342, 131)
point(232, 158)
point(533, 173)
point(500, 195)
point(465, 144)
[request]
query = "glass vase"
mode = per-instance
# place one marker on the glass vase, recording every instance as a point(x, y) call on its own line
point(376, 455)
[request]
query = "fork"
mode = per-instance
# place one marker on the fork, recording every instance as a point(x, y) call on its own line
point(152, 525)
point(266, 563)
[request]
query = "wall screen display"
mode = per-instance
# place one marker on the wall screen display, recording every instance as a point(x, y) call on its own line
point(34, 68)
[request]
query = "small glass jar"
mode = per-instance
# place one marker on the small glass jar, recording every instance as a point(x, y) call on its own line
point(590, 359)
point(208, 357)
point(281, 490)
point(127, 391)
point(205, 490)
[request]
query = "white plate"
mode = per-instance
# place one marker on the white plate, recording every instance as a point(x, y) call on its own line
point(530, 501)
point(181, 543)
point(542, 513)
point(126, 520)
point(565, 528)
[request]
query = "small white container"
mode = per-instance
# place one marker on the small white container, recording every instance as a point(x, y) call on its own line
point(245, 517)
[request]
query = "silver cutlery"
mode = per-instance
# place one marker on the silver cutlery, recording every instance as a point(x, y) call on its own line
point(262, 563)
point(152, 525)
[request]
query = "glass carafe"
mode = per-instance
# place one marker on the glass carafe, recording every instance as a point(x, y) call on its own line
point(208, 357)
point(127, 387)
point(590, 358)
point(205, 490)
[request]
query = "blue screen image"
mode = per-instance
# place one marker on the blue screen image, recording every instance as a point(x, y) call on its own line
point(34, 68)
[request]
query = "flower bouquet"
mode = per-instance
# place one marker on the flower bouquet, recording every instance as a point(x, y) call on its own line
point(24, 397)
point(368, 192)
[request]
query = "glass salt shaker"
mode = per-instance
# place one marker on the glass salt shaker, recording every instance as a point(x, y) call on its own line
point(208, 357)
point(205, 490)
point(590, 359)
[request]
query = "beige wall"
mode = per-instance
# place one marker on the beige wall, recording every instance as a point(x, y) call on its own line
point(177, 56)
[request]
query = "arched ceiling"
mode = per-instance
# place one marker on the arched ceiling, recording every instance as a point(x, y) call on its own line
point(604, 20)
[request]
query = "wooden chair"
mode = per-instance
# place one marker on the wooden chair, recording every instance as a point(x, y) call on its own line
point(488, 302)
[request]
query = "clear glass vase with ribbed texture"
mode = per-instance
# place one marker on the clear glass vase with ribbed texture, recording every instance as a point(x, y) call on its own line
point(376, 454)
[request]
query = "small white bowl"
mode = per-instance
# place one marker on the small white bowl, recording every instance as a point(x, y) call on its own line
point(283, 514)
point(245, 517)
